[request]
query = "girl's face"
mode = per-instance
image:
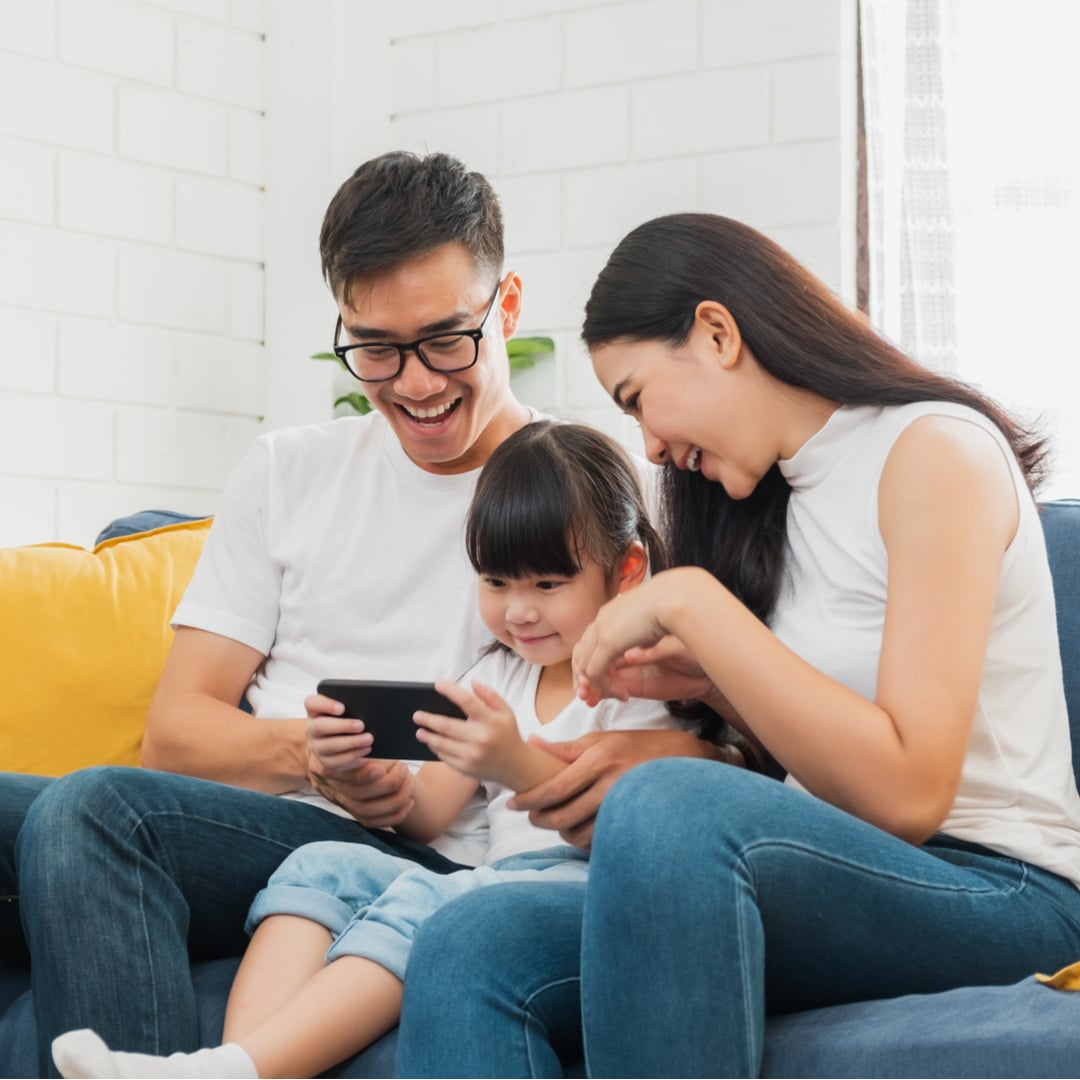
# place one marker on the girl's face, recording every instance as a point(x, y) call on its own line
point(698, 405)
point(542, 617)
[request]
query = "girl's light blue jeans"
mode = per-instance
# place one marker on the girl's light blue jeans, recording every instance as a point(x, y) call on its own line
point(374, 903)
point(715, 896)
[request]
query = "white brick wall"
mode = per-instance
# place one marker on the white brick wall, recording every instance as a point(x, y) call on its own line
point(592, 116)
point(164, 168)
point(131, 248)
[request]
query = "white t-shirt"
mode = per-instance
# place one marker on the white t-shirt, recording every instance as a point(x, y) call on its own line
point(515, 680)
point(1017, 791)
point(335, 556)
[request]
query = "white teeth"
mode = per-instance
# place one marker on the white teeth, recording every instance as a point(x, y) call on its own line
point(693, 459)
point(427, 414)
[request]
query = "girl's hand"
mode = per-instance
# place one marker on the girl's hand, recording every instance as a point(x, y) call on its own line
point(486, 746)
point(633, 618)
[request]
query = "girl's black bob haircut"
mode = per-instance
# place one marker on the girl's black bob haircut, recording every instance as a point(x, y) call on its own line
point(552, 497)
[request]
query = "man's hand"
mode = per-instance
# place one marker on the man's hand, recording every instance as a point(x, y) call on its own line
point(569, 801)
point(378, 793)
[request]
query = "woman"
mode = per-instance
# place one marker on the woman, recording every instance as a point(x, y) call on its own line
point(861, 587)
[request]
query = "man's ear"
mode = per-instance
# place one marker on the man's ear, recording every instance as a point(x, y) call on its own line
point(632, 567)
point(509, 304)
point(716, 327)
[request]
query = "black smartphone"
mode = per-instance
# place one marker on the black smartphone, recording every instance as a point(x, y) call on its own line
point(387, 711)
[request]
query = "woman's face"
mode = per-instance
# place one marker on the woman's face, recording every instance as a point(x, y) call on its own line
point(696, 405)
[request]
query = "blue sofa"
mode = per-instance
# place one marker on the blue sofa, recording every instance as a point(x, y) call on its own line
point(1026, 1029)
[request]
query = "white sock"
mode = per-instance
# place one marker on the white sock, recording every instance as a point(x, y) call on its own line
point(82, 1053)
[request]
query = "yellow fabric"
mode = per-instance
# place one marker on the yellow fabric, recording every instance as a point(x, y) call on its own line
point(1068, 978)
point(83, 639)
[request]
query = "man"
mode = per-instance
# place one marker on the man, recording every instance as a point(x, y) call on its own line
point(337, 550)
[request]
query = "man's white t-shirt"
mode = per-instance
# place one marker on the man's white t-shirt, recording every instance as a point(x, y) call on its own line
point(334, 555)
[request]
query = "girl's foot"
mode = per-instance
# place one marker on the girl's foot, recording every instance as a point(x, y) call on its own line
point(82, 1053)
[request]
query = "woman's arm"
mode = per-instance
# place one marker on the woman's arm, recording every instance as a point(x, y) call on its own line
point(947, 511)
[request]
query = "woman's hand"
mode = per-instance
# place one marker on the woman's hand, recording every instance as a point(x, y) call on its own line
point(378, 793)
point(570, 800)
point(633, 619)
point(663, 672)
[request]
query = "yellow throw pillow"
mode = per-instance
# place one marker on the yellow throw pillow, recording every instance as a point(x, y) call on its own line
point(83, 639)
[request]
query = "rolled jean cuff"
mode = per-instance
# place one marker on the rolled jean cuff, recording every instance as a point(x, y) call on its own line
point(375, 941)
point(297, 900)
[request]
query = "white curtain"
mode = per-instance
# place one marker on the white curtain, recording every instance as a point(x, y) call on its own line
point(972, 117)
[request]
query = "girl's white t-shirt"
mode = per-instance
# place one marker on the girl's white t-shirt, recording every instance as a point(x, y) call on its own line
point(515, 681)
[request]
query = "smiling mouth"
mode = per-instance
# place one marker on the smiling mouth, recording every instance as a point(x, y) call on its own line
point(693, 460)
point(431, 416)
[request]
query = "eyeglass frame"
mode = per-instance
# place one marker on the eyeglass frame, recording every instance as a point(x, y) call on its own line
point(341, 351)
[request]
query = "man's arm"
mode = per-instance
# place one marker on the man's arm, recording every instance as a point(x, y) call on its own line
point(569, 802)
point(195, 725)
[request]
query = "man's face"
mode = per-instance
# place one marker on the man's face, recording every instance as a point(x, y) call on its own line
point(446, 422)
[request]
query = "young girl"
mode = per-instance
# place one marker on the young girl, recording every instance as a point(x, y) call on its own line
point(557, 527)
point(861, 579)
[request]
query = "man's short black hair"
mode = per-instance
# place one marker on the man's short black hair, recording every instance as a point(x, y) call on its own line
point(400, 205)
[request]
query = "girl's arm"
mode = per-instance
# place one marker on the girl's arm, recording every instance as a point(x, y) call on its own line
point(439, 794)
point(487, 745)
point(947, 510)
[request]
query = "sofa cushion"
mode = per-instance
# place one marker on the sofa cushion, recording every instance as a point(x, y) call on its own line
point(84, 635)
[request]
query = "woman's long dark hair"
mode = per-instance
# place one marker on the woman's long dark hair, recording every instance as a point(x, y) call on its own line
point(799, 333)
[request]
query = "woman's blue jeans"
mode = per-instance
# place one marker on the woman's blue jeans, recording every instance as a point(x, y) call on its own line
point(119, 872)
point(715, 897)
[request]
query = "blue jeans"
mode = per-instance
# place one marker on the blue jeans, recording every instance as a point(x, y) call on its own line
point(374, 903)
point(715, 896)
point(17, 792)
point(120, 871)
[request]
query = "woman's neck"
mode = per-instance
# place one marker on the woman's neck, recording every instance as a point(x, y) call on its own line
point(554, 691)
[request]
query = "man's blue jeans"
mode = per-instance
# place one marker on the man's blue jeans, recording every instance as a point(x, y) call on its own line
point(714, 897)
point(119, 871)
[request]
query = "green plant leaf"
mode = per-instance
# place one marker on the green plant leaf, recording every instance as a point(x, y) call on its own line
point(330, 356)
point(529, 346)
point(523, 352)
point(357, 402)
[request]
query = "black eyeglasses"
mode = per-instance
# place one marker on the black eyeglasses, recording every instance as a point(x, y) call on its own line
point(381, 361)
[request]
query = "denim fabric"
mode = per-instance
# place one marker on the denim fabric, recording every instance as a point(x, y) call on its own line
point(374, 903)
point(127, 868)
point(716, 895)
point(17, 792)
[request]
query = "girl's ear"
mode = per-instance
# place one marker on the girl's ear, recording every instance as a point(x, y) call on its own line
point(632, 567)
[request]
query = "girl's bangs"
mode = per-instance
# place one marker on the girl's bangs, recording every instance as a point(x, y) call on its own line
point(526, 528)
